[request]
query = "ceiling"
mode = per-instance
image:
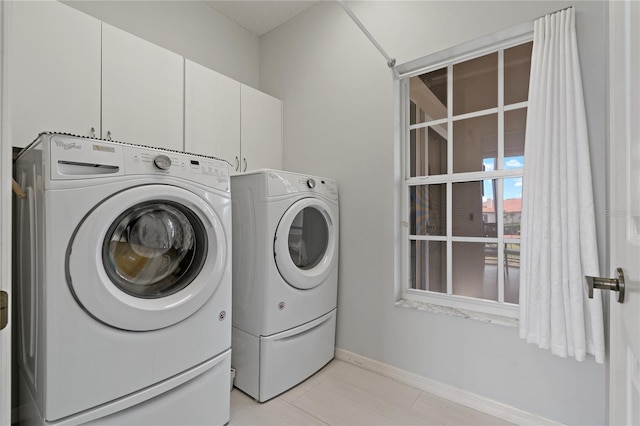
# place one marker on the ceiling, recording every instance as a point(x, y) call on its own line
point(259, 17)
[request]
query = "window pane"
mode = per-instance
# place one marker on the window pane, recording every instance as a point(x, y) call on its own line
point(515, 123)
point(475, 270)
point(429, 266)
point(511, 272)
point(429, 96)
point(475, 84)
point(474, 212)
point(412, 112)
point(474, 140)
point(428, 151)
point(489, 222)
point(418, 152)
point(428, 209)
point(517, 66)
point(512, 206)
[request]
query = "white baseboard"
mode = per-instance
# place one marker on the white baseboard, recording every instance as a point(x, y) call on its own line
point(477, 402)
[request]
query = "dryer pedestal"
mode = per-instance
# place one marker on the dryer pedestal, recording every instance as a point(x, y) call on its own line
point(266, 366)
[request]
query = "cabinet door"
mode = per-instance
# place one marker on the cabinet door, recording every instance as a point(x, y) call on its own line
point(142, 91)
point(261, 130)
point(53, 70)
point(211, 114)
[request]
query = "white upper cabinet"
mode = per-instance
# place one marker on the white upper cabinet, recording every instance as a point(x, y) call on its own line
point(53, 69)
point(211, 114)
point(142, 91)
point(261, 130)
point(226, 119)
point(69, 72)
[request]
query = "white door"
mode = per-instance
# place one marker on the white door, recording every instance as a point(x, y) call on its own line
point(624, 189)
point(5, 228)
point(5, 282)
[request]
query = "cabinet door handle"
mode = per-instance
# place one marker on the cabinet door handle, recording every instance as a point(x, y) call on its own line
point(237, 163)
point(245, 163)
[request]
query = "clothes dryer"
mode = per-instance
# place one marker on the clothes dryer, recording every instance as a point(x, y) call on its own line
point(124, 284)
point(285, 278)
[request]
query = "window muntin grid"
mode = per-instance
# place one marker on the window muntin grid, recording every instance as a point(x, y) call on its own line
point(461, 175)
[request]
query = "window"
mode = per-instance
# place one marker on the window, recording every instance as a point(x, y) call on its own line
point(462, 135)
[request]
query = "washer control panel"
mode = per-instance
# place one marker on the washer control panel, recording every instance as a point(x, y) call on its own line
point(74, 157)
point(208, 171)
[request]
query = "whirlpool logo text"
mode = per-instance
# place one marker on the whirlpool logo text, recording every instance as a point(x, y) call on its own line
point(68, 145)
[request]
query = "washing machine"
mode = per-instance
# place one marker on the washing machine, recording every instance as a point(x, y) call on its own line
point(285, 278)
point(124, 284)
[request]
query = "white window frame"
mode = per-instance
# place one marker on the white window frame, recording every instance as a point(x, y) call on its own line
point(479, 47)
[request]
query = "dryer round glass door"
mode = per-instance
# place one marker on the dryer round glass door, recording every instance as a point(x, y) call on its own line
point(305, 244)
point(147, 257)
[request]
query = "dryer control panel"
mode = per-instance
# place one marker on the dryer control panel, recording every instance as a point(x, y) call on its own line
point(283, 183)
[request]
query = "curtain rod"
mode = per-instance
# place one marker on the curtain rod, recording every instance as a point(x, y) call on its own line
point(391, 62)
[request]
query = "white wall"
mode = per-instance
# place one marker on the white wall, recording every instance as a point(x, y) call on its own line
point(189, 28)
point(339, 122)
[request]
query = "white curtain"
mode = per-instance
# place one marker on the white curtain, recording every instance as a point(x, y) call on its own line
point(559, 244)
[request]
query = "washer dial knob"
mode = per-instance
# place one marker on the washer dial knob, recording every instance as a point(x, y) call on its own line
point(311, 183)
point(162, 162)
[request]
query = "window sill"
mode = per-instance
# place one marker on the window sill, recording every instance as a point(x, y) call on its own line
point(456, 312)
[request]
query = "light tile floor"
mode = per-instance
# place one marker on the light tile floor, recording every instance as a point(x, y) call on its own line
point(345, 394)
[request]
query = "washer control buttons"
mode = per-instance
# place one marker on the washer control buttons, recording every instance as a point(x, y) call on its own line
point(311, 183)
point(162, 162)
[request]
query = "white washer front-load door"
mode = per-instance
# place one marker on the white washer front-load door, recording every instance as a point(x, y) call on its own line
point(305, 245)
point(147, 257)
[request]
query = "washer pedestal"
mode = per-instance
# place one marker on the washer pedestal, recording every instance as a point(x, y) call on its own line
point(194, 397)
